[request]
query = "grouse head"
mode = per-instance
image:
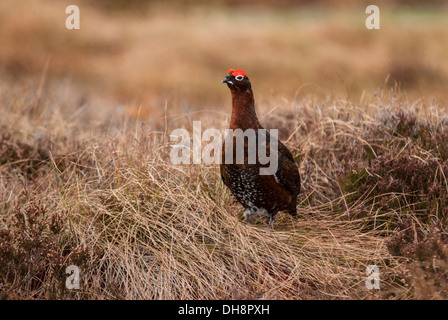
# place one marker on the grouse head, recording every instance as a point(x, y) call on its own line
point(237, 80)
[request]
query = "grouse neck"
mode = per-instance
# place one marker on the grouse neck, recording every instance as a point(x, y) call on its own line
point(243, 110)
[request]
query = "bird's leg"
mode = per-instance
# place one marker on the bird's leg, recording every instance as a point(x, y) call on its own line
point(248, 215)
point(271, 220)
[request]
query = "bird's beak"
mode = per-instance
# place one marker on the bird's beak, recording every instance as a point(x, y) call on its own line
point(227, 79)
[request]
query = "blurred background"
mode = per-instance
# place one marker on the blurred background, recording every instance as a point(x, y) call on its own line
point(148, 54)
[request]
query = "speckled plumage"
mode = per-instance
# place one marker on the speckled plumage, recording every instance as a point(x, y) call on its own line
point(259, 194)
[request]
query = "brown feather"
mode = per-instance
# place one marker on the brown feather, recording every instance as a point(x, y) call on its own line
point(259, 194)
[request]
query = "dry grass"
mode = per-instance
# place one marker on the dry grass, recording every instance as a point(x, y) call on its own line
point(100, 191)
point(86, 178)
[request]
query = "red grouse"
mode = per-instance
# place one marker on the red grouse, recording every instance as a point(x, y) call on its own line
point(260, 194)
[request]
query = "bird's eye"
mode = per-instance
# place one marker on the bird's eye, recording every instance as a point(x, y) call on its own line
point(239, 77)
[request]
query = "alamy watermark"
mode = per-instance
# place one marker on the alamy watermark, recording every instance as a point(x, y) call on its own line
point(72, 21)
point(72, 281)
point(261, 147)
point(373, 21)
point(373, 277)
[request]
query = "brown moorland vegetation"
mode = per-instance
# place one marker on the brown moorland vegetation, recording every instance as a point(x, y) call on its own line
point(86, 177)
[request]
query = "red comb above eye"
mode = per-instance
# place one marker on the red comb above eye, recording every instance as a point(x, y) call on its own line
point(235, 73)
point(239, 72)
